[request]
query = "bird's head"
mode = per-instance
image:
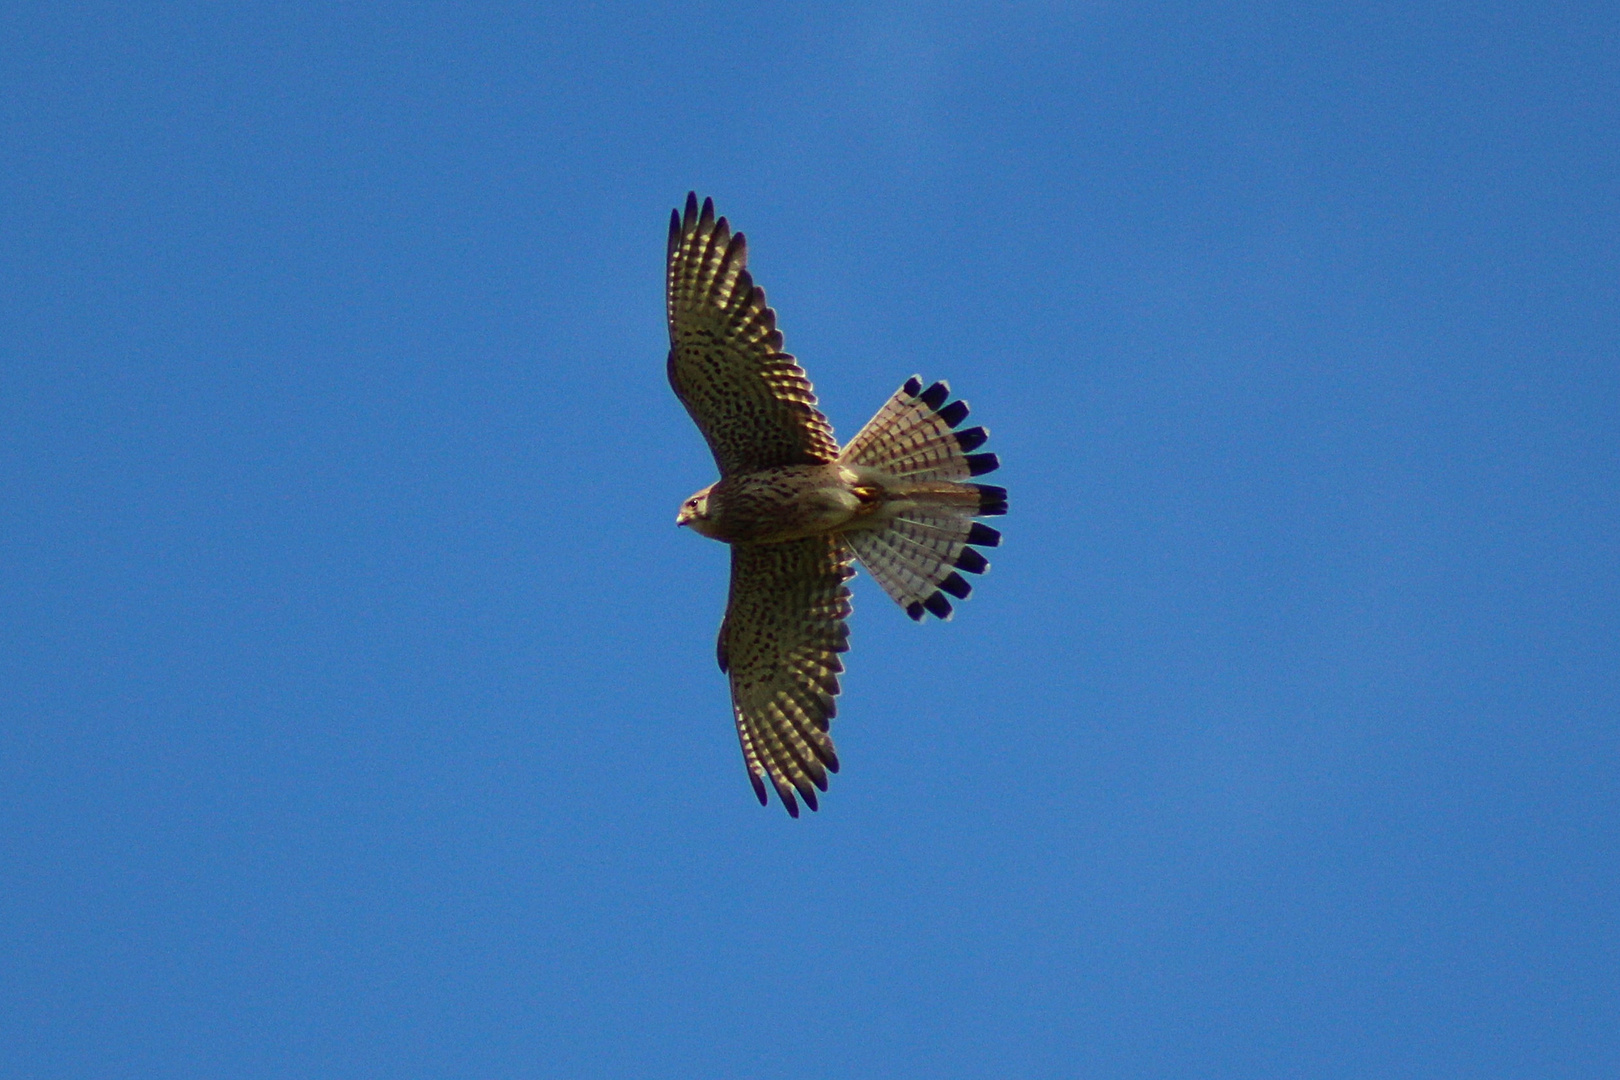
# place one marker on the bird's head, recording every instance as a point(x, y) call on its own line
point(695, 512)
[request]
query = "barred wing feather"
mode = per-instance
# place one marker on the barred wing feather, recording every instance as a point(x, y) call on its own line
point(780, 643)
point(750, 399)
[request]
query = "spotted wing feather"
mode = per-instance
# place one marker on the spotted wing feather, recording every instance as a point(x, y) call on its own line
point(750, 399)
point(780, 643)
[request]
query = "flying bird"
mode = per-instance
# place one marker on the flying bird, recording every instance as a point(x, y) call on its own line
point(798, 511)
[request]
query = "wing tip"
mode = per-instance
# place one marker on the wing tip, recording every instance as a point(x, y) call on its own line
point(972, 562)
point(954, 413)
point(992, 500)
point(970, 439)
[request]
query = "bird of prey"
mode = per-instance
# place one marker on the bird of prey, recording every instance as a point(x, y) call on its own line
point(798, 511)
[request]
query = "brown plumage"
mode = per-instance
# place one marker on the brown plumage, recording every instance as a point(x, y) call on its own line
point(798, 511)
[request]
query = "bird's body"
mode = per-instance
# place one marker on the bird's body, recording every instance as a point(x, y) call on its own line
point(798, 510)
point(788, 502)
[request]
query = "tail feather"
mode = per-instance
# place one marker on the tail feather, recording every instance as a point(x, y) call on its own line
point(915, 551)
point(936, 563)
point(911, 437)
point(945, 459)
point(906, 580)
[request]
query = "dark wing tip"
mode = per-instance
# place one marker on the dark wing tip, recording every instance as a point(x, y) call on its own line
point(913, 386)
point(983, 535)
point(735, 254)
point(972, 438)
point(954, 413)
point(706, 218)
point(992, 500)
point(915, 610)
point(788, 804)
point(935, 395)
point(979, 464)
point(938, 606)
point(954, 584)
point(759, 789)
point(674, 232)
point(972, 562)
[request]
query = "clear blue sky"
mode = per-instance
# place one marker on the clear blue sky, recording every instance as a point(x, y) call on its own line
point(360, 712)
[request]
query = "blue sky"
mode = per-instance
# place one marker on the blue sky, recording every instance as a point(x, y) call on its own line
point(361, 716)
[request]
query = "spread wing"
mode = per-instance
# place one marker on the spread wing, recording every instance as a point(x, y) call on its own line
point(780, 641)
point(750, 399)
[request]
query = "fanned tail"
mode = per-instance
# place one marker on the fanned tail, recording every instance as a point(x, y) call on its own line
point(926, 531)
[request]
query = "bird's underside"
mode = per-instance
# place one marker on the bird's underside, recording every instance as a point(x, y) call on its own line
point(799, 511)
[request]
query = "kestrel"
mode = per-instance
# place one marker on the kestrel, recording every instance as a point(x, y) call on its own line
point(798, 511)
